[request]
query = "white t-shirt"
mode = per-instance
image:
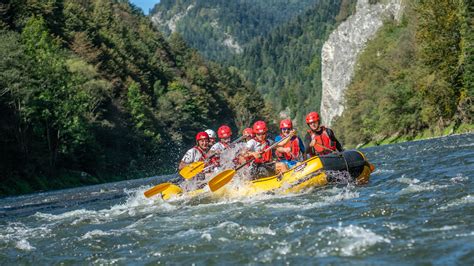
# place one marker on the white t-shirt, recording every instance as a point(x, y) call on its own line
point(191, 156)
point(253, 145)
point(218, 147)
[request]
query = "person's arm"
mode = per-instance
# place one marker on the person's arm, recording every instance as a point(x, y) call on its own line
point(333, 138)
point(181, 165)
point(280, 147)
point(301, 145)
point(307, 145)
point(187, 159)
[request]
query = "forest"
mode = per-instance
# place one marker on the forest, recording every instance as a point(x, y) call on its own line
point(91, 92)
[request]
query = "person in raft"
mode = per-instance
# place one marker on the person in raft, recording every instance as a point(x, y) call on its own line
point(289, 151)
point(224, 133)
point(319, 140)
point(198, 152)
point(263, 165)
point(212, 136)
point(248, 134)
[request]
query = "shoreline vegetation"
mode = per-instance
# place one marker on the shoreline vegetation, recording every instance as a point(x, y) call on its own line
point(425, 135)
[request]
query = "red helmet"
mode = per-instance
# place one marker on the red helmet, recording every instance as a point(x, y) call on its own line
point(248, 132)
point(259, 127)
point(286, 123)
point(312, 117)
point(202, 135)
point(224, 132)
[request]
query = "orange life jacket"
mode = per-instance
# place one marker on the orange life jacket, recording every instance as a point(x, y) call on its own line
point(323, 140)
point(294, 144)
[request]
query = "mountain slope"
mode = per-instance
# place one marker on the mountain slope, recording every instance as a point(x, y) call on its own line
point(286, 64)
point(220, 28)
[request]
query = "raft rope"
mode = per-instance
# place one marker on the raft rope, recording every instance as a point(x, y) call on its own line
point(345, 161)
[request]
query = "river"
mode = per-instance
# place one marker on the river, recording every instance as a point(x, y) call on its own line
point(418, 208)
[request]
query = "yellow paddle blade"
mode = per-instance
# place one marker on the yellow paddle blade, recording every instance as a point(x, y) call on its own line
point(156, 189)
point(191, 170)
point(171, 191)
point(221, 179)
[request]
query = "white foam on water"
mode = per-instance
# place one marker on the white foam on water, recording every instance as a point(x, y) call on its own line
point(395, 226)
point(135, 204)
point(187, 233)
point(459, 178)
point(469, 199)
point(228, 224)
point(19, 234)
point(415, 185)
point(444, 228)
point(24, 245)
point(465, 234)
point(339, 194)
point(277, 251)
point(63, 216)
point(260, 230)
point(296, 206)
point(94, 234)
point(346, 241)
point(232, 228)
point(102, 261)
point(406, 180)
point(302, 222)
point(206, 236)
point(383, 171)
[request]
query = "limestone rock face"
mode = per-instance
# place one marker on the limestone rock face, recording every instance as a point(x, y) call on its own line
point(340, 51)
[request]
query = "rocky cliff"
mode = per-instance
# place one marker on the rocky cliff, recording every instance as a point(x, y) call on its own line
point(339, 53)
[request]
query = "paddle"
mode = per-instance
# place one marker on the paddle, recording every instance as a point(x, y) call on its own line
point(325, 148)
point(226, 176)
point(157, 189)
point(192, 169)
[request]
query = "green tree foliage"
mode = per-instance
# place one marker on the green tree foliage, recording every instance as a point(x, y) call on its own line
point(91, 88)
point(281, 42)
point(285, 65)
point(221, 21)
point(411, 76)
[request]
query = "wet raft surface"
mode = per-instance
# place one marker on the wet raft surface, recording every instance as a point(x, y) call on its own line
point(417, 208)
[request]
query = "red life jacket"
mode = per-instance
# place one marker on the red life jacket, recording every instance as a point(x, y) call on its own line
point(294, 144)
point(203, 154)
point(266, 156)
point(322, 140)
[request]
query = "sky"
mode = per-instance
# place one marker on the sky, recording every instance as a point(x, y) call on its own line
point(145, 5)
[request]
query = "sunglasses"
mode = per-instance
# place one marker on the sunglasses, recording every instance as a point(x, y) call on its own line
point(286, 129)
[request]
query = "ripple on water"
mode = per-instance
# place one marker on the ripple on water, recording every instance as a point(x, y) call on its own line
point(469, 199)
point(346, 241)
point(414, 186)
point(18, 234)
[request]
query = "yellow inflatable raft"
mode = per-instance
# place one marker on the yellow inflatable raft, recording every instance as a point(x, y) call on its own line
point(314, 172)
